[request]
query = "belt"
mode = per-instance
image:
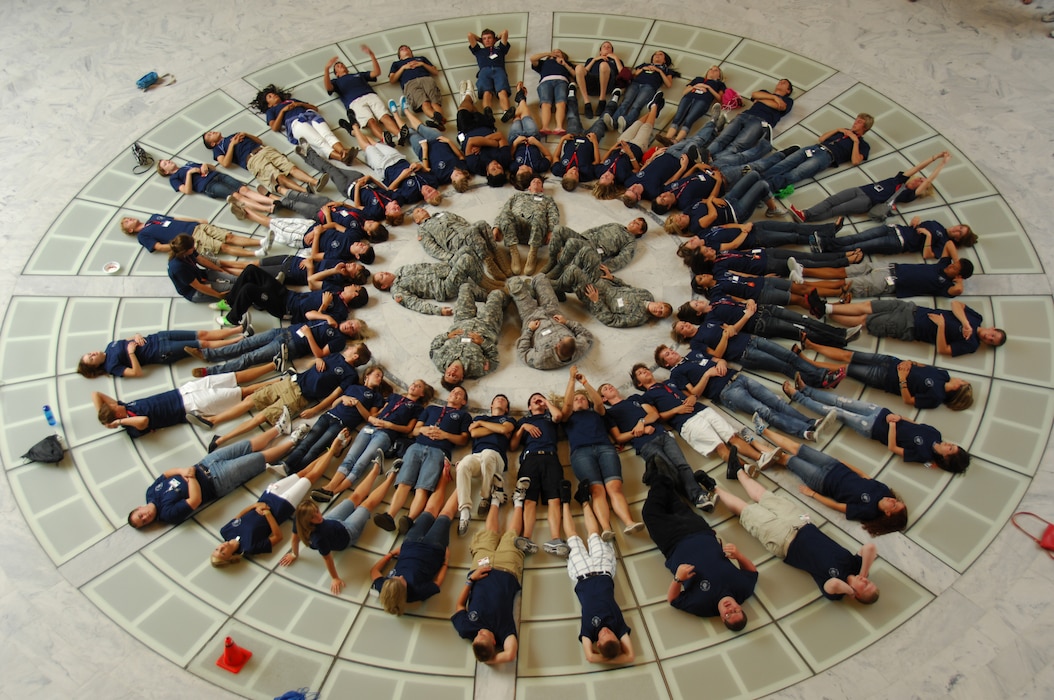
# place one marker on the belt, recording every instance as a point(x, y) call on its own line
point(828, 151)
point(540, 452)
point(591, 574)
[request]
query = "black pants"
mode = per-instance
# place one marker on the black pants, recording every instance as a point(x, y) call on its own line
point(668, 517)
point(254, 287)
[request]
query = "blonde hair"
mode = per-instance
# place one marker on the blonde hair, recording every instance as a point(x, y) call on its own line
point(393, 596)
point(305, 514)
point(219, 562)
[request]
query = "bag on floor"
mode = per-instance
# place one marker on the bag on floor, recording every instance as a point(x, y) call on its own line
point(48, 450)
point(1046, 540)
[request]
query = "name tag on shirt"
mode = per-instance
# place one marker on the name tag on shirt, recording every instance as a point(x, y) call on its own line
point(619, 302)
point(547, 331)
point(466, 339)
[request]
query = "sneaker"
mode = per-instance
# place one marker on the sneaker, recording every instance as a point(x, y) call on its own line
point(462, 522)
point(833, 378)
point(815, 243)
point(760, 424)
point(465, 88)
point(565, 491)
point(766, 457)
point(827, 426)
point(734, 463)
point(616, 95)
point(556, 547)
point(621, 124)
point(785, 192)
point(278, 470)
point(608, 121)
point(589, 110)
point(509, 114)
point(752, 470)
point(389, 139)
point(582, 492)
point(773, 213)
point(484, 506)
point(214, 443)
point(321, 495)
point(302, 148)
point(403, 104)
point(607, 535)
point(797, 272)
point(281, 359)
point(395, 467)
point(798, 214)
point(260, 252)
point(300, 433)
point(816, 304)
point(283, 424)
point(393, 106)
point(247, 329)
point(703, 479)
point(497, 496)
point(350, 152)
point(633, 528)
point(195, 418)
point(520, 494)
point(706, 501)
point(405, 523)
point(746, 435)
point(852, 333)
point(404, 135)
point(220, 305)
point(383, 521)
point(659, 101)
point(525, 545)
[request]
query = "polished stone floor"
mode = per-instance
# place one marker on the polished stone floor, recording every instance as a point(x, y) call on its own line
point(963, 608)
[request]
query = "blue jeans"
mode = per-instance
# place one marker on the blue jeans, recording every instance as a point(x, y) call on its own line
point(551, 92)
point(812, 467)
point(880, 240)
point(796, 167)
point(422, 465)
point(250, 352)
point(699, 139)
point(492, 79)
point(597, 464)
point(755, 154)
point(361, 452)
point(745, 395)
point(353, 518)
point(872, 369)
point(423, 133)
point(525, 126)
point(740, 134)
point(317, 441)
point(428, 529)
point(222, 186)
point(666, 445)
point(762, 353)
point(171, 343)
point(232, 466)
point(689, 112)
point(636, 97)
point(861, 416)
point(746, 194)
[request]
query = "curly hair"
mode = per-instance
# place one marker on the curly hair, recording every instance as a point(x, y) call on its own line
point(259, 102)
point(885, 524)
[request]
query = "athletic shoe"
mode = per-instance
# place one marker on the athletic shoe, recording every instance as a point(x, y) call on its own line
point(706, 501)
point(509, 114)
point(281, 359)
point(798, 214)
point(565, 491)
point(389, 139)
point(616, 95)
point(302, 148)
point(773, 213)
point(349, 155)
point(384, 522)
point(734, 463)
point(323, 180)
point(659, 101)
point(556, 547)
point(402, 104)
point(833, 378)
point(746, 435)
point(520, 494)
point(852, 333)
point(827, 426)
point(815, 243)
point(282, 425)
point(220, 305)
point(760, 424)
point(633, 528)
point(463, 520)
point(797, 272)
point(321, 495)
point(195, 418)
point(766, 458)
point(246, 324)
point(278, 470)
point(497, 496)
point(525, 545)
point(214, 443)
point(395, 467)
point(301, 431)
point(608, 121)
point(621, 123)
point(404, 135)
point(405, 523)
point(607, 535)
point(393, 106)
point(582, 492)
point(589, 110)
point(222, 322)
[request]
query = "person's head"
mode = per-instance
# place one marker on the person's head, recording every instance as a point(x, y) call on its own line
point(91, 364)
point(499, 405)
point(376, 231)
point(420, 215)
point(580, 401)
point(108, 413)
point(431, 195)
point(731, 613)
point(607, 644)
point(963, 235)
point(565, 348)
point(958, 394)
point(211, 138)
point(405, 52)
point(606, 48)
point(703, 281)
point(683, 331)
point(180, 246)
point(166, 167)
point(421, 391)
point(609, 393)
point(269, 96)
point(632, 196)
point(383, 280)
point(950, 457)
point(353, 328)
point(131, 225)
point(537, 185)
point(339, 69)
point(374, 377)
point(862, 124)
point(307, 518)
point(453, 375)
point(714, 73)
point(521, 180)
point(916, 183)
point(605, 187)
point(893, 516)
point(960, 268)
point(143, 515)
point(393, 595)
point(663, 203)
point(638, 227)
point(536, 404)
point(661, 58)
point(693, 311)
point(487, 37)
point(783, 88)
point(995, 337)
point(484, 646)
point(354, 296)
point(461, 179)
point(659, 309)
point(457, 398)
point(667, 357)
point(864, 589)
point(357, 354)
point(641, 376)
point(225, 554)
point(393, 213)
point(570, 179)
point(676, 224)
point(495, 175)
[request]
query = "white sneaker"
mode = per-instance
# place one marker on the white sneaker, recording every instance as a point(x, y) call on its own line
point(278, 470)
point(283, 424)
point(796, 271)
point(300, 432)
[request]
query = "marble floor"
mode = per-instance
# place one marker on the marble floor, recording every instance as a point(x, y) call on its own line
point(97, 609)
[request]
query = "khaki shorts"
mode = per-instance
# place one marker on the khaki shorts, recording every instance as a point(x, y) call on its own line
point(267, 164)
point(421, 90)
point(271, 399)
point(368, 107)
point(208, 239)
point(502, 552)
point(773, 522)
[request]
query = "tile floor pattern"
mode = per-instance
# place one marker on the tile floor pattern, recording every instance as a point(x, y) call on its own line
point(160, 587)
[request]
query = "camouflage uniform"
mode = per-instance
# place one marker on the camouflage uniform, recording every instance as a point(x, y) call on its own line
point(527, 218)
point(444, 234)
point(538, 347)
point(577, 260)
point(416, 283)
point(477, 359)
point(620, 305)
point(612, 242)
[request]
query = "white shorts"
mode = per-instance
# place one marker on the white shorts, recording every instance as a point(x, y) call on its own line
point(380, 156)
point(368, 107)
point(211, 394)
point(291, 488)
point(706, 431)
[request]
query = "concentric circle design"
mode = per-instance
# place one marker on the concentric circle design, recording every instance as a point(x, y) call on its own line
point(159, 585)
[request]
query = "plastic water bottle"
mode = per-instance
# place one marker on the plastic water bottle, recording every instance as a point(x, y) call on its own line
point(49, 416)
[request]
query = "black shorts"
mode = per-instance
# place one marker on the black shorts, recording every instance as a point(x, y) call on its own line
point(545, 473)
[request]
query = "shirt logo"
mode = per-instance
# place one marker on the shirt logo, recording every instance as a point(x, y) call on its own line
point(597, 622)
point(473, 615)
point(833, 572)
point(236, 522)
point(865, 498)
point(704, 585)
point(917, 439)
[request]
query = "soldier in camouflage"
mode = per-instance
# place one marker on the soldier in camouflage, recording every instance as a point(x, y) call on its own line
point(526, 218)
point(445, 233)
point(470, 348)
point(412, 285)
point(549, 340)
point(614, 243)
